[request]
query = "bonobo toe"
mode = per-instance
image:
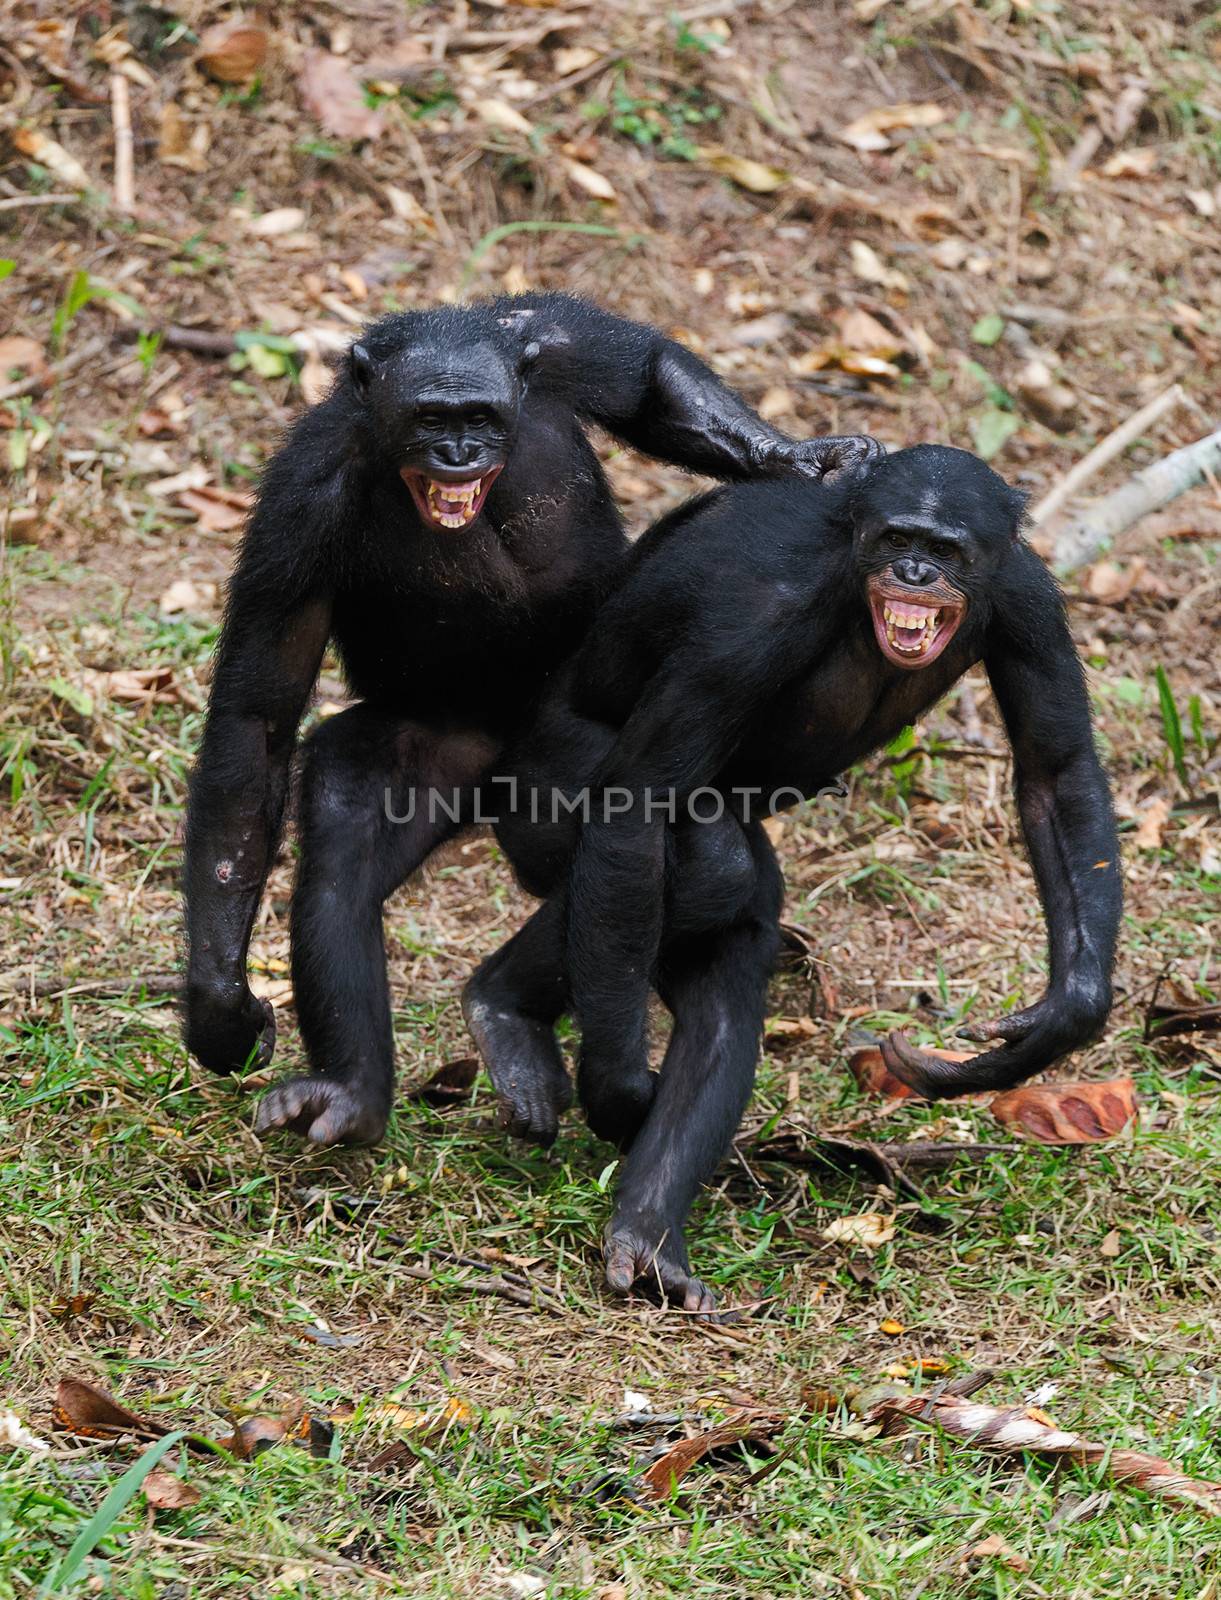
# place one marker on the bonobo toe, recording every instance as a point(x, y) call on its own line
point(656, 1266)
point(323, 1111)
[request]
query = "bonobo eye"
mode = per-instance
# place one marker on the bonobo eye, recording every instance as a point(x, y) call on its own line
point(431, 419)
point(946, 551)
point(896, 540)
point(362, 366)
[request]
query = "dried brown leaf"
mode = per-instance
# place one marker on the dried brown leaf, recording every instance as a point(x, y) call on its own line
point(91, 1412)
point(449, 1085)
point(165, 1491)
point(747, 174)
point(232, 52)
point(873, 130)
point(995, 1548)
point(21, 354)
point(874, 1077)
point(51, 155)
point(869, 1230)
point(1068, 1113)
point(660, 1479)
point(331, 93)
point(1153, 820)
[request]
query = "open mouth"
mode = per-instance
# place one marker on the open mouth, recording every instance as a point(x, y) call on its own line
point(447, 504)
point(912, 633)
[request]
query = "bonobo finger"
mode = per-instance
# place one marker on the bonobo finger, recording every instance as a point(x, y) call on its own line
point(267, 1039)
point(1013, 1027)
point(931, 1076)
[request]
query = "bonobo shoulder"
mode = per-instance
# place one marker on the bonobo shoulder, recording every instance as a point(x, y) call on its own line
point(1027, 605)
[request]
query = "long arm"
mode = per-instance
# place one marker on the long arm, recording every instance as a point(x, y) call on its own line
point(677, 739)
point(1065, 806)
point(657, 396)
point(276, 627)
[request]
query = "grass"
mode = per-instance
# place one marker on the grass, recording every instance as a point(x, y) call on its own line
point(151, 1245)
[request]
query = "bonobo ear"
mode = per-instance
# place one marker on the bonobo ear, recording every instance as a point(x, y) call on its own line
point(360, 364)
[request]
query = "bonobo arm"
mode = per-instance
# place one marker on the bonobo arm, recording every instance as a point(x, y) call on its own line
point(1065, 806)
point(276, 627)
point(657, 396)
point(677, 739)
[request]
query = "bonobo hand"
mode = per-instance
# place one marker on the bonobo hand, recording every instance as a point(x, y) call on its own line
point(324, 1110)
point(1063, 1020)
point(817, 458)
point(615, 1096)
point(227, 1027)
point(645, 1251)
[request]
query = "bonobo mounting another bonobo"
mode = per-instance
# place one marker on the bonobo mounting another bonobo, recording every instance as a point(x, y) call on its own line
point(727, 677)
point(442, 517)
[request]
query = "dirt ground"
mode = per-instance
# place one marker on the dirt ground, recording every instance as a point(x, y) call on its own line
point(993, 225)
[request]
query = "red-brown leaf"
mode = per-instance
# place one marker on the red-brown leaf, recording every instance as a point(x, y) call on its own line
point(232, 52)
point(331, 93)
point(80, 1408)
point(1068, 1113)
point(874, 1077)
point(449, 1085)
point(165, 1491)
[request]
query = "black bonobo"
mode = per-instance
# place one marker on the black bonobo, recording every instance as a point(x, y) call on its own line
point(723, 680)
point(441, 517)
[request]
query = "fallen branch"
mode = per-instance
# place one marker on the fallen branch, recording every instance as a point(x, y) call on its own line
point(1019, 1430)
point(20, 983)
point(1106, 450)
point(1148, 491)
point(124, 148)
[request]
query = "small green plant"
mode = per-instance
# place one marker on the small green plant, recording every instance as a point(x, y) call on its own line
point(7, 267)
point(1172, 726)
point(82, 290)
point(659, 124)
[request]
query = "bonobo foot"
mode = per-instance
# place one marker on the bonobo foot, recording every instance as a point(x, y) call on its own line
point(651, 1255)
point(616, 1101)
point(523, 1061)
point(324, 1110)
point(229, 1028)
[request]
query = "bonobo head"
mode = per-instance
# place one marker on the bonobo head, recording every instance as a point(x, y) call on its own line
point(931, 527)
point(440, 393)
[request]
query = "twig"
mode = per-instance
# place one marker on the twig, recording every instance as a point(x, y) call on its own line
point(1020, 1429)
point(158, 983)
point(493, 1284)
point(1115, 443)
point(43, 380)
point(124, 149)
point(1148, 491)
point(14, 201)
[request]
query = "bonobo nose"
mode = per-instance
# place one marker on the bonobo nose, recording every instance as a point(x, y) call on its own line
point(454, 452)
point(914, 570)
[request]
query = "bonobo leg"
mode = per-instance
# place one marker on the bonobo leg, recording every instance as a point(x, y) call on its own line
point(511, 1005)
point(379, 794)
point(715, 984)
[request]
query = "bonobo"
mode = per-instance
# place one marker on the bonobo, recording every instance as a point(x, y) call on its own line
point(724, 679)
point(441, 517)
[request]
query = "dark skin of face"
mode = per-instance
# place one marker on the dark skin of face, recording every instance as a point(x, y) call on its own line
point(776, 673)
point(442, 520)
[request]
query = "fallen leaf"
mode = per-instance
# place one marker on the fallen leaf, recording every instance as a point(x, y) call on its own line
point(21, 354)
point(592, 182)
point(408, 209)
point(449, 1085)
point(284, 219)
point(1068, 1113)
point(995, 1547)
point(317, 1334)
point(891, 1327)
point(501, 115)
point(196, 477)
point(870, 1230)
point(1110, 1245)
point(83, 1409)
point(1052, 401)
point(1176, 1008)
point(874, 1077)
point(868, 265)
point(747, 174)
point(165, 1491)
point(1153, 820)
point(858, 330)
point(178, 144)
point(572, 58)
point(790, 1027)
point(219, 511)
point(253, 1435)
point(53, 156)
point(232, 52)
point(183, 595)
point(143, 685)
point(331, 93)
point(315, 378)
point(1131, 163)
point(872, 131)
point(660, 1479)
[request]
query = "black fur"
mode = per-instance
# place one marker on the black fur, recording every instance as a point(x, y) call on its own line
point(446, 635)
point(739, 654)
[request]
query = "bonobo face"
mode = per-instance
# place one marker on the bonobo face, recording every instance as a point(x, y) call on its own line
point(445, 419)
point(931, 527)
